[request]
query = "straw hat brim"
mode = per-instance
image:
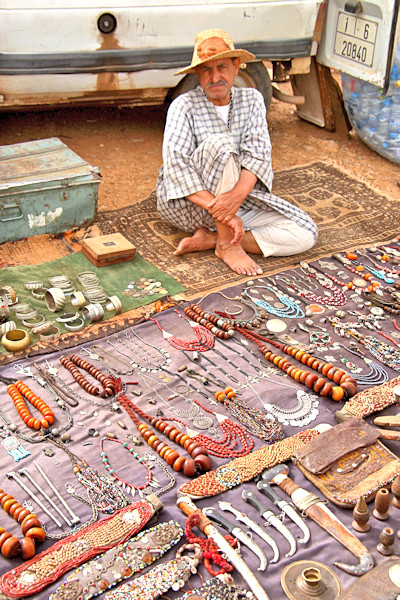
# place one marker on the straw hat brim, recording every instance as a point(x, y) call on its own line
point(239, 53)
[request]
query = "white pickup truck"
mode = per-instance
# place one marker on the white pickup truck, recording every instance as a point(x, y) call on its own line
point(63, 52)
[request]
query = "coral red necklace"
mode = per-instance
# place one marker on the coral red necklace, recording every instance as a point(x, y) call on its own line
point(204, 338)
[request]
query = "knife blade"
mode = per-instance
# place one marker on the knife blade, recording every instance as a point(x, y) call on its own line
point(286, 508)
point(238, 533)
point(254, 526)
point(270, 518)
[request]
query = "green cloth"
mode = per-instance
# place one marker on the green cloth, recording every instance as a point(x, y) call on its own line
point(113, 279)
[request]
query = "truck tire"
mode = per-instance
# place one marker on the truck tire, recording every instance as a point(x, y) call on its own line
point(255, 75)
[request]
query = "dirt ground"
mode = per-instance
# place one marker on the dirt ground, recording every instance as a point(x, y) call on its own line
point(125, 143)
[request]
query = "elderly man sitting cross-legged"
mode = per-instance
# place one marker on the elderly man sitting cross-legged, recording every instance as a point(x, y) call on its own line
point(216, 178)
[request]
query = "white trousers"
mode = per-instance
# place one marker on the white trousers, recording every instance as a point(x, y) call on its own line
point(275, 234)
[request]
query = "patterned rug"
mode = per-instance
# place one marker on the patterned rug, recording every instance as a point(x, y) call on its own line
point(348, 213)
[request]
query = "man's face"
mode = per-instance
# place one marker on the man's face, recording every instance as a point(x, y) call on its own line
point(216, 77)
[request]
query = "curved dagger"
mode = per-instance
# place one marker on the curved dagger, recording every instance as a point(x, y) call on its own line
point(243, 518)
point(286, 508)
point(238, 533)
point(314, 507)
point(272, 519)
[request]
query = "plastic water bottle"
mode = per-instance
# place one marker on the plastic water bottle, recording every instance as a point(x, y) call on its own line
point(374, 117)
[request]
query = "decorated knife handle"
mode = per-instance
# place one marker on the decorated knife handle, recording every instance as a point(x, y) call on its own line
point(255, 502)
point(268, 491)
point(212, 514)
point(288, 486)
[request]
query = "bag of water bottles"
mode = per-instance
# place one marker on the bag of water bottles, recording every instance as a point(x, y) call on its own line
point(376, 118)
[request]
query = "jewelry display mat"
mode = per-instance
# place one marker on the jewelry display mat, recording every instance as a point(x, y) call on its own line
point(239, 365)
point(348, 214)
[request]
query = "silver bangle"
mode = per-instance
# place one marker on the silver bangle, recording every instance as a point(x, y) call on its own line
point(31, 314)
point(7, 326)
point(36, 324)
point(114, 303)
point(39, 293)
point(93, 312)
point(33, 285)
point(43, 327)
point(67, 317)
point(50, 335)
point(55, 299)
point(76, 325)
point(78, 299)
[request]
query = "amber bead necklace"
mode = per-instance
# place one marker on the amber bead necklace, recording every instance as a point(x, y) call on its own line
point(10, 546)
point(346, 385)
point(73, 362)
point(199, 460)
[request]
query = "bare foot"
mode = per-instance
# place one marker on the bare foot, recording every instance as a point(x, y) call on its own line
point(202, 239)
point(237, 259)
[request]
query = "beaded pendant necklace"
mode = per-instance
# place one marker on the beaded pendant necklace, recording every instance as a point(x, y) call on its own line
point(386, 354)
point(290, 308)
point(255, 421)
point(376, 375)
point(128, 488)
point(103, 492)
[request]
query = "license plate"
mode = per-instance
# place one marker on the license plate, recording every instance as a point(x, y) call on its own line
point(355, 39)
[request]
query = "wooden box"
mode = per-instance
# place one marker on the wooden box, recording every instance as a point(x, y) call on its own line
point(44, 188)
point(107, 249)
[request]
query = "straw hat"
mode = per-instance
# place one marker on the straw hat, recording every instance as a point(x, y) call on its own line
point(213, 44)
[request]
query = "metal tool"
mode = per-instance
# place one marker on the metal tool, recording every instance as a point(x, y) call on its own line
point(13, 475)
point(75, 518)
point(254, 526)
point(286, 508)
point(238, 533)
point(188, 507)
point(49, 500)
point(314, 507)
point(271, 519)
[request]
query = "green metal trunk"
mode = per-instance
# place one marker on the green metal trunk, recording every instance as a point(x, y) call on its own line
point(44, 188)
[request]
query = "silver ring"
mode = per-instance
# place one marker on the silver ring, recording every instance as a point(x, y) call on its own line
point(68, 317)
point(114, 303)
point(33, 285)
point(31, 314)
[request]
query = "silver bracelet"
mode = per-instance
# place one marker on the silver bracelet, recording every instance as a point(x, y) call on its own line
point(67, 317)
point(36, 323)
point(76, 325)
point(33, 285)
point(93, 312)
point(39, 293)
point(29, 314)
point(114, 303)
point(43, 327)
point(50, 335)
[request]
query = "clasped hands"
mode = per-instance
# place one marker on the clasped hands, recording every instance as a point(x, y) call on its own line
point(223, 209)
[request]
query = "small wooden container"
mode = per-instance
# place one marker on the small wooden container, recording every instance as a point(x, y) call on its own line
point(109, 249)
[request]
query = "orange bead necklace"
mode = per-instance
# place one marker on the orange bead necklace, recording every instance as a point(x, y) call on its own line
point(10, 546)
point(18, 391)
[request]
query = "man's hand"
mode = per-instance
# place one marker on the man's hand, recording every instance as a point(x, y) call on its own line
point(237, 228)
point(225, 206)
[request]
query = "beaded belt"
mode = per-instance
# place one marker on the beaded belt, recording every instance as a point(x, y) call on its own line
point(110, 568)
point(45, 568)
point(246, 467)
